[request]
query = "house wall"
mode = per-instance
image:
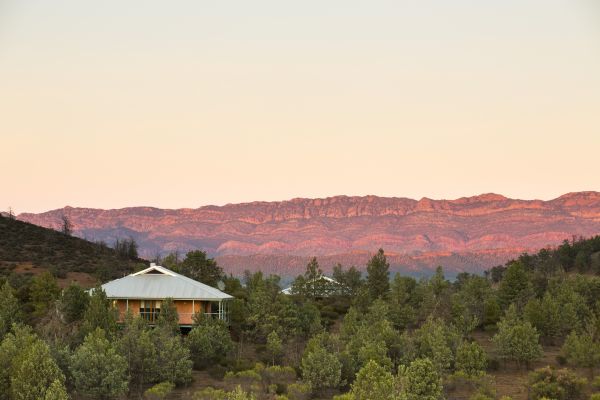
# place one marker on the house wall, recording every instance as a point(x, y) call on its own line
point(184, 309)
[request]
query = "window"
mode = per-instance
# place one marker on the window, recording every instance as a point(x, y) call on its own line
point(150, 309)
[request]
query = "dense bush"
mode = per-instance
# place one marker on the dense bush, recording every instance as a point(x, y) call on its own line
point(209, 342)
point(555, 384)
point(159, 391)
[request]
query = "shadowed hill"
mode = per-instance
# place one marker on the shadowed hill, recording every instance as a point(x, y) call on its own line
point(27, 247)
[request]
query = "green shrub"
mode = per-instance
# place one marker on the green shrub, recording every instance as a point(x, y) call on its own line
point(278, 375)
point(159, 391)
point(459, 380)
point(555, 384)
point(248, 380)
point(298, 391)
point(345, 396)
point(471, 359)
point(239, 394)
point(321, 368)
point(210, 394)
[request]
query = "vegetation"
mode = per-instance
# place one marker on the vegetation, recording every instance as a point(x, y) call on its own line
point(24, 245)
point(517, 340)
point(376, 337)
point(98, 370)
point(209, 342)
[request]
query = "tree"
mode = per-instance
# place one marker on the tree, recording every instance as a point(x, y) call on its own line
point(199, 267)
point(350, 280)
point(402, 309)
point(10, 312)
point(474, 293)
point(126, 248)
point(515, 286)
point(435, 342)
point(35, 375)
point(517, 340)
point(320, 367)
point(11, 348)
point(420, 381)
point(374, 350)
point(139, 350)
point(172, 358)
point(99, 313)
point(168, 318)
point(43, 292)
point(73, 302)
point(373, 382)
point(311, 284)
point(209, 341)
point(552, 319)
point(56, 391)
point(581, 350)
point(470, 359)
point(438, 281)
point(491, 312)
point(296, 319)
point(313, 275)
point(27, 369)
point(462, 317)
point(274, 346)
point(264, 305)
point(238, 315)
point(66, 227)
point(369, 337)
point(98, 370)
point(172, 260)
point(378, 272)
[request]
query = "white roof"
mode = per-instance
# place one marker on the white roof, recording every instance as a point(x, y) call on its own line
point(158, 283)
point(289, 290)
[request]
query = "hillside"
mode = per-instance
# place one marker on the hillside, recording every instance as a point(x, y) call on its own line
point(470, 233)
point(25, 247)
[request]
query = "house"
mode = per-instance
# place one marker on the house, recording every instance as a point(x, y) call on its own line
point(143, 292)
point(323, 286)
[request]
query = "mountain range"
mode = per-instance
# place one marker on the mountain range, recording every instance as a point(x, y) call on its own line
point(469, 233)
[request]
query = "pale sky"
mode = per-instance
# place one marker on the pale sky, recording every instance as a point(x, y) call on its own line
point(186, 103)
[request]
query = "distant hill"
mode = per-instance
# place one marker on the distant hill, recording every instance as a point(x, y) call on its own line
point(470, 233)
point(30, 249)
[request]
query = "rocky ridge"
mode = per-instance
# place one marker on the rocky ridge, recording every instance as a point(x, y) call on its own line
point(469, 233)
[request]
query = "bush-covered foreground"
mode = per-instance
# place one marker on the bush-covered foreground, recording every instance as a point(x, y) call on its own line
point(529, 329)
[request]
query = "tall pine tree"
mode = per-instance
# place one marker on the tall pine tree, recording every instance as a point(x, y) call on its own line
point(378, 271)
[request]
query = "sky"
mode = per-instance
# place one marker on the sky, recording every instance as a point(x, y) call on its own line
point(112, 104)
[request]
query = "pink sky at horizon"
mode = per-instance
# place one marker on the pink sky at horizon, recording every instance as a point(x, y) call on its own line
point(180, 105)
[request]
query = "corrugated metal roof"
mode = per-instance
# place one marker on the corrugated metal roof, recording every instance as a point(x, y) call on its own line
point(289, 290)
point(158, 282)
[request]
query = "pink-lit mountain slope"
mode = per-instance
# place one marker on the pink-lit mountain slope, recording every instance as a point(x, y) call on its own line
point(469, 233)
